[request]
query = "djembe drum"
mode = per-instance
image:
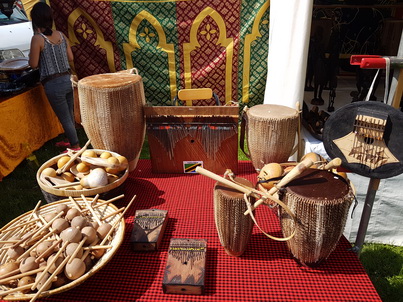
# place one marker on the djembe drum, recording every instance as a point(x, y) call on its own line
point(233, 227)
point(270, 133)
point(320, 201)
point(111, 107)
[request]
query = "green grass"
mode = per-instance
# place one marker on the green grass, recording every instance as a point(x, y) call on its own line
point(20, 193)
point(384, 265)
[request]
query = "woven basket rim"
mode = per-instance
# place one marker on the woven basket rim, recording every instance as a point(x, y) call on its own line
point(119, 236)
point(78, 193)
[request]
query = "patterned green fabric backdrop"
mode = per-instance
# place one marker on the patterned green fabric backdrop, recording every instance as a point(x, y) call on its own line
point(219, 44)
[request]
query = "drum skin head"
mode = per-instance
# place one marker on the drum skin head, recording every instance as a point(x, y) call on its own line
point(359, 153)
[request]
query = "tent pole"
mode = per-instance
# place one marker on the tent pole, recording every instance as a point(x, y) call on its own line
point(395, 91)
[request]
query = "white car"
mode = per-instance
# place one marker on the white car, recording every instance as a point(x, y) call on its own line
point(16, 33)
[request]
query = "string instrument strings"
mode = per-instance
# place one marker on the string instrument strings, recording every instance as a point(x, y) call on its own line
point(368, 146)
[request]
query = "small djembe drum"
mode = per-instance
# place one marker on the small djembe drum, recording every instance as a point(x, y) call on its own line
point(270, 133)
point(233, 227)
point(111, 107)
point(320, 201)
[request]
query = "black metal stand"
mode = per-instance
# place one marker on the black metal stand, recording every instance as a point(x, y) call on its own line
point(366, 214)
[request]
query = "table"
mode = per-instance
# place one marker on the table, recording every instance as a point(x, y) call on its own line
point(265, 272)
point(27, 122)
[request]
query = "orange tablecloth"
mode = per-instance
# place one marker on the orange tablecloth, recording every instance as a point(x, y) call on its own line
point(26, 122)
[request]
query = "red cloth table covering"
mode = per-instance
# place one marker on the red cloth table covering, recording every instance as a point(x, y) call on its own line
point(265, 272)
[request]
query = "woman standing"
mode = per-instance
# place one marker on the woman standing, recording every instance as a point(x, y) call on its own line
point(51, 52)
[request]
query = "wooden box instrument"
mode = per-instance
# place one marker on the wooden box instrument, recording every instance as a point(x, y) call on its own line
point(185, 268)
point(148, 229)
point(184, 137)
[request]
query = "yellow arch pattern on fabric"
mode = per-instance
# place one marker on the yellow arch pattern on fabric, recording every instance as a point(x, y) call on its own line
point(169, 49)
point(106, 45)
point(249, 38)
point(228, 43)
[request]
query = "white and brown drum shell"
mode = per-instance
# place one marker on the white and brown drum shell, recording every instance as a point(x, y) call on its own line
point(233, 227)
point(271, 131)
point(112, 113)
point(320, 201)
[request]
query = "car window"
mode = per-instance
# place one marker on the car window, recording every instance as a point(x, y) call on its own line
point(18, 16)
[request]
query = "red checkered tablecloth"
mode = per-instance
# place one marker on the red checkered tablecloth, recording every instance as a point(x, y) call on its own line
point(265, 272)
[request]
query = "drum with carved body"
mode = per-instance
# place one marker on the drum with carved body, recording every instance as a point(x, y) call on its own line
point(112, 114)
point(320, 201)
point(270, 133)
point(233, 227)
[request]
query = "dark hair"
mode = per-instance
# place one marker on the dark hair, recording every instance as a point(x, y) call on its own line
point(41, 16)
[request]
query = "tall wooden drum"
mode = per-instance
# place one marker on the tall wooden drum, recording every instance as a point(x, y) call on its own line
point(233, 227)
point(111, 107)
point(320, 201)
point(270, 133)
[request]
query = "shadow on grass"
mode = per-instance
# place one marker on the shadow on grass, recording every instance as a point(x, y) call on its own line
point(384, 265)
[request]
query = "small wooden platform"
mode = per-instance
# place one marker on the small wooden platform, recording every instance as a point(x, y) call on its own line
point(185, 268)
point(148, 229)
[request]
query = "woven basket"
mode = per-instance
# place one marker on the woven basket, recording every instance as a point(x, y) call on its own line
point(117, 238)
point(106, 192)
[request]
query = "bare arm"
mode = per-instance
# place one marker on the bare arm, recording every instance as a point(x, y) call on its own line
point(35, 51)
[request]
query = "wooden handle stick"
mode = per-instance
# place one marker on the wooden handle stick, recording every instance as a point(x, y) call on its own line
point(10, 291)
point(112, 214)
point(97, 247)
point(106, 202)
point(35, 271)
point(87, 252)
point(39, 237)
point(31, 215)
point(48, 251)
point(95, 200)
point(57, 181)
point(44, 222)
point(21, 225)
point(297, 170)
point(50, 279)
point(24, 238)
point(101, 162)
point(72, 159)
point(45, 181)
point(87, 203)
point(79, 246)
point(117, 221)
point(35, 245)
point(49, 264)
point(77, 205)
point(12, 273)
point(9, 241)
point(243, 189)
point(38, 234)
point(69, 184)
point(334, 163)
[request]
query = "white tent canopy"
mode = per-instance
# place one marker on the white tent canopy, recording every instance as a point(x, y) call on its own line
point(288, 50)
